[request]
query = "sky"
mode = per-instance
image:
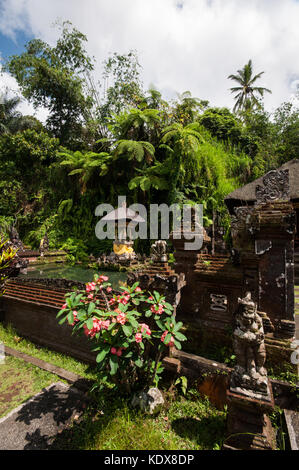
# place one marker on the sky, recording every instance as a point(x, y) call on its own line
point(181, 44)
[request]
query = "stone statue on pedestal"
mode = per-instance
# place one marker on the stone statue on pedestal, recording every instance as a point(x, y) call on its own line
point(249, 373)
point(14, 239)
point(159, 251)
point(44, 245)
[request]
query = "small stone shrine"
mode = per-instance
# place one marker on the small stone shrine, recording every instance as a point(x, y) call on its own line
point(123, 219)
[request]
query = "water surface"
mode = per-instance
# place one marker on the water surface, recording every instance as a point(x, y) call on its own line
point(72, 273)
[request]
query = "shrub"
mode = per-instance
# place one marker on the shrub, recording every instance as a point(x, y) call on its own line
point(130, 335)
point(7, 255)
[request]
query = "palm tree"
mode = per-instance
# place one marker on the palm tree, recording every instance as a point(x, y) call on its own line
point(246, 93)
point(135, 124)
point(11, 120)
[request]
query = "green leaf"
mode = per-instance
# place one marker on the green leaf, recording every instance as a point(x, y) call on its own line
point(139, 362)
point(81, 315)
point(167, 338)
point(62, 320)
point(61, 312)
point(89, 323)
point(113, 364)
point(180, 336)
point(91, 308)
point(177, 326)
point(70, 317)
point(101, 356)
point(127, 330)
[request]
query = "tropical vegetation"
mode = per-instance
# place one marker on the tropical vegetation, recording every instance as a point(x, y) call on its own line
point(108, 136)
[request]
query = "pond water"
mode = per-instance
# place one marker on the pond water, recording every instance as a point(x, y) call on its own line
point(72, 273)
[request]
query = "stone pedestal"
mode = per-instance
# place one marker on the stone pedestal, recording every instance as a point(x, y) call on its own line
point(248, 423)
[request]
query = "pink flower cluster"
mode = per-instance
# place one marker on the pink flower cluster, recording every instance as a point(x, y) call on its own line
point(171, 342)
point(138, 337)
point(75, 313)
point(145, 329)
point(157, 309)
point(117, 351)
point(90, 286)
point(98, 325)
point(121, 318)
point(120, 299)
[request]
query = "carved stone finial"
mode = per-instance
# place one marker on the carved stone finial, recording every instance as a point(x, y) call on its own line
point(159, 251)
point(248, 340)
point(276, 186)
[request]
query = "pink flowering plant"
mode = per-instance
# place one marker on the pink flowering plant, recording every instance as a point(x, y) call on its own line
point(130, 331)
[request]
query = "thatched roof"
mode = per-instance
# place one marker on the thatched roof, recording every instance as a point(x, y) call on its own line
point(247, 194)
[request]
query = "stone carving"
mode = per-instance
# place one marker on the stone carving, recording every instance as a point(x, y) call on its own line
point(44, 245)
point(276, 187)
point(248, 339)
point(218, 302)
point(159, 251)
point(243, 228)
point(15, 239)
point(150, 402)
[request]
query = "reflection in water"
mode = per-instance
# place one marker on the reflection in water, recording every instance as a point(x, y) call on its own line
point(73, 273)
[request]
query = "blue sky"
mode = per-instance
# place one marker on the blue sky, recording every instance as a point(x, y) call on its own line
point(8, 46)
point(182, 44)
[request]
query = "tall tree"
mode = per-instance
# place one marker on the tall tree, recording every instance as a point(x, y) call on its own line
point(55, 78)
point(181, 143)
point(122, 84)
point(246, 92)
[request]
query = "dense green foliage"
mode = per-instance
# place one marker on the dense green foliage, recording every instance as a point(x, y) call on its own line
point(119, 139)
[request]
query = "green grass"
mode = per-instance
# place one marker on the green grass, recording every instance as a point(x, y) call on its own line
point(110, 423)
point(19, 381)
point(190, 423)
point(10, 337)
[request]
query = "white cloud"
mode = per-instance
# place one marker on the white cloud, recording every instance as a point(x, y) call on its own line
point(193, 46)
point(9, 85)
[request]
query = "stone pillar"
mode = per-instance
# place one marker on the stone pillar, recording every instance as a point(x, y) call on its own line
point(185, 262)
point(274, 244)
point(263, 240)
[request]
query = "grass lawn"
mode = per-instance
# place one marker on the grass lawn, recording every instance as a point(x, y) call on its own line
point(9, 337)
point(186, 423)
point(19, 381)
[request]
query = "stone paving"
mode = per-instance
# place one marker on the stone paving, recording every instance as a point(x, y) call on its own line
point(35, 424)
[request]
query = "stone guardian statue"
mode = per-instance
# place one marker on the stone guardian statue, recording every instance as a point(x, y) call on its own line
point(248, 340)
